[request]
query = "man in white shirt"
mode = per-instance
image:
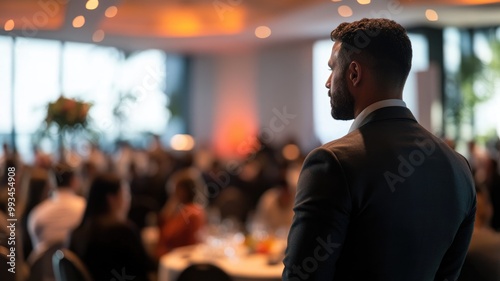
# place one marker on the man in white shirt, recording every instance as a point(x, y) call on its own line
point(52, 220)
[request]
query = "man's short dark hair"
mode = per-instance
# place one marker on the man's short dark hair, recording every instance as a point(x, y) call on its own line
point(63, 174)
point(381, 43)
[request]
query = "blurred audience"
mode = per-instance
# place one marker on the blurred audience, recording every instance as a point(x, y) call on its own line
point(275, 208)
point(251, 181)
point(37, 191)
point(484, 164)
point(483, 257)
point(105, 241)
point(492, 182)
point(97, 159)
point(52, 220)
point(182, 217)
point(42, 159)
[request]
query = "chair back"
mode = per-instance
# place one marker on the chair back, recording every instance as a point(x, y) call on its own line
point(203, 272)
point(4, 266)
point(40, 264)
point(68, 267)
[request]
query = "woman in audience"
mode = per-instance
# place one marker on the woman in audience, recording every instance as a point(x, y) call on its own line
point(37, 191)
point(182, 218)
point(105, 241)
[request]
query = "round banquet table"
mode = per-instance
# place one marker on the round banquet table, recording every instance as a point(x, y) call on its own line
point(242, 268)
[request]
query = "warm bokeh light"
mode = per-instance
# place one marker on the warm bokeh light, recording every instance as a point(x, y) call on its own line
point(111, 11)
point(447, 2)
point(290, 152)
point(336, 0)
point(364, 2)
point(262, 32)
point(431, 15)
point(182, 142)
point(345, 11)
point(78, 21)
point(182, 23)
point(98, 36)
point(92, 4)
point(172, 20)
point(9, 25)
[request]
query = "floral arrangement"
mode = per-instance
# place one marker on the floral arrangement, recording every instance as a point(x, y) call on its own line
point(67, 122)
point(67, 113)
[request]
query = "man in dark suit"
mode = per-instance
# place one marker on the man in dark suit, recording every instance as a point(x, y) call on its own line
point(389, 201)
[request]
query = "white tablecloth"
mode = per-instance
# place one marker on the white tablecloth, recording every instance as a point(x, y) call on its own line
point(244, 267)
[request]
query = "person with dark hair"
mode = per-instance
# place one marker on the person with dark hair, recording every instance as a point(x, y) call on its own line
point(51, 221)
point(275, 205)
point(105, 241)
point(388, 201)
point(37, 192)
point(182, 217)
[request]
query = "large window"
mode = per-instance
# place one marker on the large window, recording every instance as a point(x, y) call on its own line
point(5, 86)
point(127, 92)
point(472, 92)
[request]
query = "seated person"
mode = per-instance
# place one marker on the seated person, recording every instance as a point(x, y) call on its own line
point(107, 244)
point(181, 219)
point(37, 192)
point(275, 208)
point(51, 221)
point(483, 257)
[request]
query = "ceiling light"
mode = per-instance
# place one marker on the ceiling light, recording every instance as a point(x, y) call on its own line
point(9, 25)
point(262, 32)
point(98, 36)
point(78, 21)
point(364, 2)
point(92, 4)
point(345, 11)
point(431, 15)
point(111, 11)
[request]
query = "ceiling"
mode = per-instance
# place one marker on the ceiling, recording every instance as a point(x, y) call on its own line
point(201, 26)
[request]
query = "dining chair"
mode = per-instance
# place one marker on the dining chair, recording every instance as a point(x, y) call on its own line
point(68, 267)
point(40, 264)
point(203, 272)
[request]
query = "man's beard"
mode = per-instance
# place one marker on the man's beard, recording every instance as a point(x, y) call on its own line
point(342, 102)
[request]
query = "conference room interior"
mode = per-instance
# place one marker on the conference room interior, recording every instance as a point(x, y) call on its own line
point(201, 114)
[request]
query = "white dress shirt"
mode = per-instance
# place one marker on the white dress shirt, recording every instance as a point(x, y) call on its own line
point(371, 108)
point(52, 220)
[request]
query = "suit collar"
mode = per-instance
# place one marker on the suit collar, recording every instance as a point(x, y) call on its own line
point(371, 108)
point(385, 113)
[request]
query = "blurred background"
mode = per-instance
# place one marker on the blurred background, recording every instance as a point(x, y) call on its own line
point(221, 70)
point(215, 104)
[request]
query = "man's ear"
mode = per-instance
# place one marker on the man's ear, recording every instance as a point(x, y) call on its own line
point(355, 73)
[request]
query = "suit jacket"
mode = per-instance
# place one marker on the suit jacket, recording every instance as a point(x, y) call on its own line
point(388, 201)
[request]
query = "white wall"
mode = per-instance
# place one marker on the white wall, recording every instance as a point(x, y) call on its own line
point(234, 96)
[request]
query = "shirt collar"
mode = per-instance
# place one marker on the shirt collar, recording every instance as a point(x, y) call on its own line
point(62, 192)
point(371, 108)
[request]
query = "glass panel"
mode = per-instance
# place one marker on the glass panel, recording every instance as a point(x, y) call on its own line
point(5, 87)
